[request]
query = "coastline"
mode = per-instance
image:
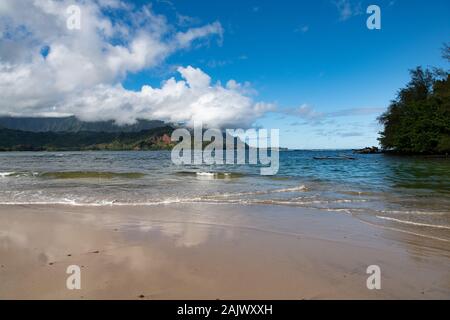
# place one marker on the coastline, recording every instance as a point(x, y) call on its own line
point(211, 251)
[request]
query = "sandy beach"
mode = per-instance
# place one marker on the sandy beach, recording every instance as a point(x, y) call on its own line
point(206, 251)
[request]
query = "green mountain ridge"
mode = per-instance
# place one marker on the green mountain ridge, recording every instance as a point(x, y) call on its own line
point(73, 124)
point(18, 140)
point(153, 139)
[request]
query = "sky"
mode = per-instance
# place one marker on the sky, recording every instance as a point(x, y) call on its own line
point(310, 68)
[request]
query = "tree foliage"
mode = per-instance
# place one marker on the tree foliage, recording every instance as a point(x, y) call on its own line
point(418, 120)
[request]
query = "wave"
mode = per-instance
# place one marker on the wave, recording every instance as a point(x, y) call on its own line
point(6, 174)
point(200, 199)
point(74, 175)
point(212, 175)
point(101, 203)
point(306, 202)
point(301, 188)
point(414, 223)
point(91, 175)
point(416, 212)
point(315, 205)
point(14, 174)
point(405, 231)
point(294, 189)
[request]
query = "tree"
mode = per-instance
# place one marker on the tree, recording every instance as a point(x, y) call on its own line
point(446, 51)
point(418, 120)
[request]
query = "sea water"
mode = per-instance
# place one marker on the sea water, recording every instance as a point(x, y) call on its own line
point(405, 193)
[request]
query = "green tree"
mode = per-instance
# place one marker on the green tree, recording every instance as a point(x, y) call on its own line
point(418, 120)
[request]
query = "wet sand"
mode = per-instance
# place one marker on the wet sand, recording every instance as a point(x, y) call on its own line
point(206, 251)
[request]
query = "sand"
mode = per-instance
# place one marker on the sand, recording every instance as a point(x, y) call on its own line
point(212, 251)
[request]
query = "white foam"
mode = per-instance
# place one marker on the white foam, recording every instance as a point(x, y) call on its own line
point(6, 174)
point(424, 213)
point(301, 188)
point(208, 174)
point(414, 223)
point(212, 174)
point(101, 203)
point(294, 189)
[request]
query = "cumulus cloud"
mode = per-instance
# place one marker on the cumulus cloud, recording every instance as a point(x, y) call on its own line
point(45, 68)
point(192, 99)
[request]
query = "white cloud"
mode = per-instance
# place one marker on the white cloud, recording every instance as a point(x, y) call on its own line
point(347, 9)
point(302, 29)
point(184, 20)
point(83, 70)
point(184, 39)
point(305, 111)
point(191, 99)
point(311, 116)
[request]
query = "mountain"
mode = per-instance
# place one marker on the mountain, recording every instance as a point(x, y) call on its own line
point(153, 139)
point(72, 124)
point(71, 134)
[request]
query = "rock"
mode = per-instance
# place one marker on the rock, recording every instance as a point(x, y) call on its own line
point(368, 150)
point(166, 139)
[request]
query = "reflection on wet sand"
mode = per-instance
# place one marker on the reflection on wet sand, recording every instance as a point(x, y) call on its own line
point(205, 251)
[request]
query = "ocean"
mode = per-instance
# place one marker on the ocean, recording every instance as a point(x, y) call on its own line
point(408, 194)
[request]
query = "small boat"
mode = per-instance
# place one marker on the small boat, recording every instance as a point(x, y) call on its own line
point(335, 158)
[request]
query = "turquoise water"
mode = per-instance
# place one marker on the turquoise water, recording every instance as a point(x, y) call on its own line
point(409, 193)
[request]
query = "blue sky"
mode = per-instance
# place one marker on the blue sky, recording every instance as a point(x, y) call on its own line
point(310, 68)
point(311, 53)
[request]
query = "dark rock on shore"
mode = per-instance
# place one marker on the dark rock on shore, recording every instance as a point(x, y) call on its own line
point(368, 150)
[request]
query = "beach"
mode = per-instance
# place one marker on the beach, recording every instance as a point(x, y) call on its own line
point(226, 151)
point(212, 251)
point(140, 227)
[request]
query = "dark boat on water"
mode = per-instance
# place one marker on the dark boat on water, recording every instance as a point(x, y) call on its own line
point(335, 158)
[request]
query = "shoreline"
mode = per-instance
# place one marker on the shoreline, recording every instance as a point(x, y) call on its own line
point(204, 251)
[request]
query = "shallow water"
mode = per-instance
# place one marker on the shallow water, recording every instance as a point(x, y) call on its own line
point(411, 194)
